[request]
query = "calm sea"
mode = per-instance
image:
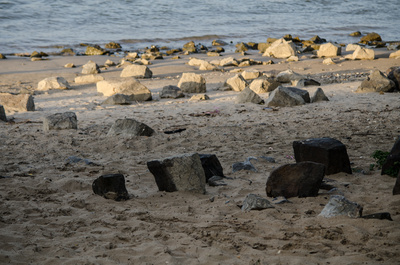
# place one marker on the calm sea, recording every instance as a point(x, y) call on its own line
point(27, 25)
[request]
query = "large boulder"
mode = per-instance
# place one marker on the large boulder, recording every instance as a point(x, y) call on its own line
point(288, 76)
point(84, 79)
point(263, 84)
point(338, 205)
point(179, 173)
point(21, 102)
point(111, 186)
point(327, 151)
point(171, 92)
point(296, 180)
point(55, 82)
point(376, 82)
point(287, 97)
point(137, 71)
point(248, 95)
point(328, 50)
point(127, 86)
point(60, 121)
point(236, 83)
point(129, 127)
point(3, 116)
point(392, 163)
point(281, 49)
point(90, 68)
point(192, 83)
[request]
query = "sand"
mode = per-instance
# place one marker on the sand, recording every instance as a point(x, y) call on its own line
point(49, 214)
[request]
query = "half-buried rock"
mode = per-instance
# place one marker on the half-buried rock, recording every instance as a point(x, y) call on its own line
point(179, 173)
point(60, 121)
point(248, 95)
point(287, 97)
point(328, 151)
point(296, 180)
point(338, 205)
point(192, 83)
point(111, 186)
point(130, 127)
point(127, 86)
point(171, 92)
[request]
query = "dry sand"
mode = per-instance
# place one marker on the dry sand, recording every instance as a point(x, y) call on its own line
point(49, 214)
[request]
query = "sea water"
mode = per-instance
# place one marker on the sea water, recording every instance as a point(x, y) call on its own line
point(48, 25)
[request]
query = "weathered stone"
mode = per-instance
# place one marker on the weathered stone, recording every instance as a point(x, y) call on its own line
point(132, 55)
point(288, 76)
point(67, 51)
point(236, 83)
point(305, 82)
point(241, 47)
point(21, 102)
point(113, 45)
point(246, 165)
point(262, 47)
point(286, 97)
point(90, 68)
point(230, 61)
point(202, 64)
point(211, 165)
point(396, 188)
point(327, 151)
point(395, 55)
point(255, 202)
point(376, 82)
point(199, 97)
point(393, 73)
point(129, 127)
point(84, 79)
point(213, 54)
point(218, 43)
point(94, 50)
point(117, 99)
point(293, 59)
point(328, 61)
point(363, 54)
point(351, 47)
point(189, 47)
point(215, 181)
point(355, 34)
point(318, 96)
point(371, 37)
point(70, 65)
point(192, 83)
point(250, 75)
point(296, 180)
point(263, 84)
point(328, 50)
point(171, 92)
point(109, 63)
point(317, 40)
point(179, 173)
point(3, 116)
point(338, 205)
point(55, 82)
point(281, 49)
point(60, 121)
point(137, 71)
point(127, 86)
point(392, 163)
point(111, 186)
point(248, 95)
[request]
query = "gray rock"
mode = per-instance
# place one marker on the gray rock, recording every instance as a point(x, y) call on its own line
point(329, 50)
point(90, 68)
point(288, 76)
point(230, 61)
point(305, 82)
point(296, 180)
point(263, 84)
point(215, 181)
point(55, 82)
point(60, 121)
point(236, 83)
point(248, 95)
point(338, 205)
point(327, 151)
point(269, 159)
point(318, 96)
point(3, 116)
point(192, 83)
point(129, 127)
point(393, 73)
point(171, 92)
point(75, 159)
point(285, 97)
point(137, 71)
point(376, 82)
point(379, 216)
point(117, 99)
point(179, 173)
point(250, 75)
point(127, 86)
point(111, 186)
point(246, 165)
point(255, 202)
point(21, 102)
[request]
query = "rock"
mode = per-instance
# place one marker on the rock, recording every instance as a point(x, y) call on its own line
point(248, 95)
point(74, 159)
point(281, 49)
point(305, 82)
point(137, 71)
point(132, 55)
point(70, 65)
point(246, 165)
point(262, 47)
point(393, 73)
point(2, 56)
point(192, 83)
point(94, 50)
point(328, 61)
point(215, 181)
point(179, 173)
point(90, 68)
point(286, 97)
point(371, 37)
point(391, 166)
point(379, 216)
point(218, 43)
point(211, 165)
point(293, 59)
point(241, 47)
point(56, 82)
point(60, 121)
point(355, 34)
point(21, 102)
point(317, 40)
point(263, 84)
point(113, 45)
point(189, 47)
point(111, 186)
point(67, 51)
point(288, 76)
point(127, 86)
point(363, 54)
point(376, 82)
point(328, 50)
point(117, 99)
point(213, 54)
point(236, 83)
point(318, 96)
point(88, 79)
point(202, 64)
point(338, 205)
point(129, 127)
point(327, 151)
point(171, 92)
point(395, 55)
point(296, 180)
point(109, 63)
point(351, 47)
point(3, 116)
point(396, 188)
point(250, 75)
point(142, 62)
point(230, 61)
point(255, 202)
point(199, 97)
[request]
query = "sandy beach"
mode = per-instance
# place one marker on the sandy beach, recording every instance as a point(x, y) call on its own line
point(50, 215)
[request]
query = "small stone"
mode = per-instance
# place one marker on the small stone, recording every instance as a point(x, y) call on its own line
point(192, 83)
point(248, 95)
point(117, 99)
point(130, 127)
point(338, 205)
point(379, 216)
point(137, 71)
point(215, 181)
point(171, 92)
point(199, 97)
point(255, 202)
point(90, 68)
point(92, 78)
point(94, 50)
point(236, 83)
point(246, 165)
point(60, 121)
point(56, 82)
point(113, 45)
point(69, 65)
point(319, 96)
point(2, 56)
point(355, 34)
point(371, 37)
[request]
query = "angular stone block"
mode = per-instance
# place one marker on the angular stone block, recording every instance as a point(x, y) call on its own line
point(60, 121)
point(338, 205)
point(130, 127)
point(21, 102)
point(328, 151)
point(111, 186)
point(211, 165)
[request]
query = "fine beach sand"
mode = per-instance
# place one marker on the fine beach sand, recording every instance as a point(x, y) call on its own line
point(49, 214)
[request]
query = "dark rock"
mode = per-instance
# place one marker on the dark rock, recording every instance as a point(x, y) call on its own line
point(246, 165)
point(339, 205)
point(302, 180)
point(215, 181)
point(287, 97)
point(211, 165)
point(305, 82)
point(393, 73)
point(3, 116)
point(396, 188)
point(219, 43)
point(175, 131)
point(179, 173)
point(130, 127)
point(379, 216)
point(248, 95)
point(171, 92)
point(328, 151)
point(117, 99)
point(371, 37)
point(318, 96)
point(392, 164)
point(190, 47)
point(376, 82)
point(111, 186)
point(317, 40)
point(75, 159)
point(60, 121)
point(280, 200)
point(255, 202)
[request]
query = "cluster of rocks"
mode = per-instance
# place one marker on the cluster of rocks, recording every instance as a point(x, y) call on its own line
point(381, 82)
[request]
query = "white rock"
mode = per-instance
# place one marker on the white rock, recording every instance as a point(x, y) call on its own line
point(55, 82)
point(126, 86)
point(251, 74)
point(351, 47)
point(192, 83)
point(281, 49)
point(395, 55)
point(363, 54)
point(236, 83)
point(137, 71)
point(329, 50)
